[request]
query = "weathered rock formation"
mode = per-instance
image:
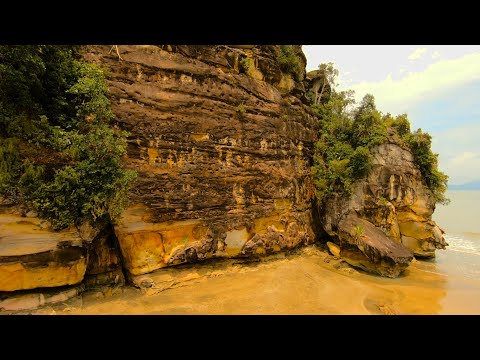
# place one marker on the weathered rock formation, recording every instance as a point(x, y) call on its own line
point(387, 220)
point(402, 199)
point(56, 265)
point(104, 266)
point(222, 140)
point(222, 149)
point(32, 256)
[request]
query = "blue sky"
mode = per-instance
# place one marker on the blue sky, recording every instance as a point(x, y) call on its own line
point(438, 86)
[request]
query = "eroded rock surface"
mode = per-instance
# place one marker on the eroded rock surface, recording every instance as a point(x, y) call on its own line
point(104, 260)
point(389, 216)
point(364, 245)
point(15, 301)
point(398, 201)
point(32, 256)
point(222, 140)
point(222, 144)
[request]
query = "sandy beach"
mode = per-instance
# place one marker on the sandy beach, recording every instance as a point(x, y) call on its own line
point(309, 281)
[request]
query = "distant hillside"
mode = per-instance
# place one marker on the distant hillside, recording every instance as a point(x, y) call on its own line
point(471, 185)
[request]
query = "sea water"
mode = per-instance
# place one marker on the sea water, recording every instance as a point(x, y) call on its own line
point(460, 262)
point(461, 222)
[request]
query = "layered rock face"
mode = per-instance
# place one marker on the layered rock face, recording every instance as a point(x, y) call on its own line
point(398, 201)
point(222, 140)
point(222, 144)
point(32, 256)
point(388, 218)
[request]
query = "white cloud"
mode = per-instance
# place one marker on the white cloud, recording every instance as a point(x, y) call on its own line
point(417, 54)
point(438, 91)
point(463, 158)
point(397, 96)
point(459, 150)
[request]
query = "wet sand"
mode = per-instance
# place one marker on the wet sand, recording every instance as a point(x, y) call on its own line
point(311, 281)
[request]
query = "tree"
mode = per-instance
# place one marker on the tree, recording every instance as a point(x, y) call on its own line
point(58, 151)
point(368, 127)
point(328, 74)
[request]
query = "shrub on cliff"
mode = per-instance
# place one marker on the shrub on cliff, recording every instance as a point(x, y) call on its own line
point(342, 154)
point(420, 144)
point(67, 158)
point(401, 124)
point(368, 128)
point(289, 61)
point(346, 137)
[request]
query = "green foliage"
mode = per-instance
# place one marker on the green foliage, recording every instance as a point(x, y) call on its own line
point(358, 231)
point(245, 65)
point(329, 72)
point(347, 136)
point(368, 128)
point(94, 187)
point(91, 102)
point(324, 83)
point(9, 163)
point(401, 125)
point(342, 154)
point(361, 160)
point(289, 61)
point(420, 144)
point(241, 109)
point(55, 106)
point(34, 80)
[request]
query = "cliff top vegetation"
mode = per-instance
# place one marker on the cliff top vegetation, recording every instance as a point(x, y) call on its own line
point(348, 134)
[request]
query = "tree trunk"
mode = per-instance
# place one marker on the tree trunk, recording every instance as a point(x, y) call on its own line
point(118, 53)
point(317, 100)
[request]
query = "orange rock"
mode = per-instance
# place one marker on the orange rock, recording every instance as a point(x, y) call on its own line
point(33, 256)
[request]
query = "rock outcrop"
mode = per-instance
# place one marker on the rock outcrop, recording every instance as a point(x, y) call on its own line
point(222, 140)
point(21, 300)
point(32, 256)
point(387, 220)
point(222, 144)
point(398, 201)
point(366, 246)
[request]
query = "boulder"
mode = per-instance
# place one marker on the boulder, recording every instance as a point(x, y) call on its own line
point(365, 246)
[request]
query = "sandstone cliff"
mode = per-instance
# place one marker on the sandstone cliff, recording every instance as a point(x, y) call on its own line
point(56, 265)
point(388, 219)
point(222, 140)
point(222, 150)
